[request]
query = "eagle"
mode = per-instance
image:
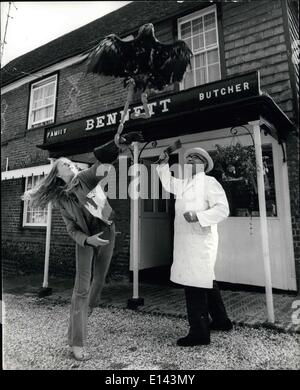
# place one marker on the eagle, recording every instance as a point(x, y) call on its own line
point(144, 63)
point(149, 62)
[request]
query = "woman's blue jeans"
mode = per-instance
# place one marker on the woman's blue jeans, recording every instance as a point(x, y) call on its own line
point(87, 292)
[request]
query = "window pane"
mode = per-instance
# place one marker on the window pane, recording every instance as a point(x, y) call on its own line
point(49, 112)
point(209, 21)
point(37, 104)
point(186, 30)
point(212, 56)
point(39, 115)
point(48, 100)
point(38, 94)
point(210, 38)
point(201, 76)
point(49, 90)
point(189, 79)
point(29, 217)
point(197, 26)
point(38, 217)
point(198, 42)
point(213, 73)
point(188, 41)
point(200, 60)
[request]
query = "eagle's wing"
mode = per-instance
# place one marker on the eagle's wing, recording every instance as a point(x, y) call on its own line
point(171, 60)
point(112, 57)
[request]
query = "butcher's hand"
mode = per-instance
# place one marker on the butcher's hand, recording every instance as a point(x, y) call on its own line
point(190, 216)
point(163, 158)
point(96, 241)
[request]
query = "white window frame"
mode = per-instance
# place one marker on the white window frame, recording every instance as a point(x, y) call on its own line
point(190, 18)
point(25, 208)
point(37, 85)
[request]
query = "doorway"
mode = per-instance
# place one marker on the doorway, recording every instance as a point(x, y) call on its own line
point(156, 228)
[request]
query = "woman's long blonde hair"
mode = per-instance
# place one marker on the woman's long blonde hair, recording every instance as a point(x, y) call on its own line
point(51, 189)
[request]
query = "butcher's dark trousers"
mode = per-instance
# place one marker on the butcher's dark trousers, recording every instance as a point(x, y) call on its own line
point(202, 302)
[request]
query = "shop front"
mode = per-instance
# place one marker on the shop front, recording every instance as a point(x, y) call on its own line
point(216, 116)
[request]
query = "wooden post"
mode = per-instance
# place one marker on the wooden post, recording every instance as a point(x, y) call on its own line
point(135, 228)
point(263, 220)
point(136, 300)
point(47, 249)
point(45, 290)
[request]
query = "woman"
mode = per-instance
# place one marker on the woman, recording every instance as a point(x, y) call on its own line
point(200, 205)
point(68, 188)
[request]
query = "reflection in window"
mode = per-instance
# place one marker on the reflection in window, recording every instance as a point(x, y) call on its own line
point(242, 196)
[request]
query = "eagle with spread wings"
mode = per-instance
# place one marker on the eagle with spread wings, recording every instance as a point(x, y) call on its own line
point(149, 62)
point(144, 63)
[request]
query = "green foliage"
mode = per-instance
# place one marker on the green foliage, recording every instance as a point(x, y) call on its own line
point(237, 162)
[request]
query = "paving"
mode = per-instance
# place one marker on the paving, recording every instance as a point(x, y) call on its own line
point(244, 308)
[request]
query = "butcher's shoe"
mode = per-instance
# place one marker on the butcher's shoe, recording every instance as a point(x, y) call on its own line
point(224, 325)
point(192, 339)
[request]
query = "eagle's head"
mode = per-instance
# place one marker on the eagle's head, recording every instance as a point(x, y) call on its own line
point(146, 31)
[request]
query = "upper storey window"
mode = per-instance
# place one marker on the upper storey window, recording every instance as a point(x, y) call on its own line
point(42, 102)
point(200, 31)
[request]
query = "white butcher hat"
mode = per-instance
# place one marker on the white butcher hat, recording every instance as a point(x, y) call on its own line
point(203, 154)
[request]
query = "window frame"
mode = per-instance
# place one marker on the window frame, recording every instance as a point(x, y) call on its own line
point(35, 85)
point(25, 208)
point(190, 18)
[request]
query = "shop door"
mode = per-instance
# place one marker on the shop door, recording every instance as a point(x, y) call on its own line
point(156, 222)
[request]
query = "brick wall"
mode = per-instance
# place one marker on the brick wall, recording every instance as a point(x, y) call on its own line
point(254, 40)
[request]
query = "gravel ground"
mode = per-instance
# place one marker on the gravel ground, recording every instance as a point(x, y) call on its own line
point(35, 339)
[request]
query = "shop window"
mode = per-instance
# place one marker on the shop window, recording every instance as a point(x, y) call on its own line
point(33, 216)
point(153, 204)
point(42, 102)
point(200, 31)
point(241, 194)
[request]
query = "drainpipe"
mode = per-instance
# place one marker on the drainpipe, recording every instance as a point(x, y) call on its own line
point(45, 290)
point(263, 220)
point(135, 301)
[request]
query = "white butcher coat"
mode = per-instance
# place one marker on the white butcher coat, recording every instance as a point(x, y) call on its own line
point(195, 243)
